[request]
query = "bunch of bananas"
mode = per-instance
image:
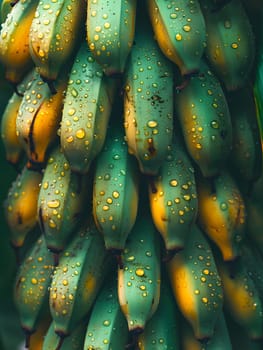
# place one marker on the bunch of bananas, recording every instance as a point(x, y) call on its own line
point(136, 129)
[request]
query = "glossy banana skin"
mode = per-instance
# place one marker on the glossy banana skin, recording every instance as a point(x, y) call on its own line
point(222, 213)
point(173, 198)
point(139, 277)
point(180, 31)
point(202, 110)
point(115, 191)
point(86, 111)
point(148, 102)
point(77, 279)
point(61, 201)
point(39, 107)
point(21, 205)
point(196, 284)
point(107, 327)
point(230, 43)
point(110, 32)
point(31, 286)
point(14, 42)
point(54, 35)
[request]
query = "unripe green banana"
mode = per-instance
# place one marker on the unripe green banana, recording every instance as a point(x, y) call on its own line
point(54, 35)
point(162, 331)
point(139, 277)
point(107, 327)
point(21, 205)
point(115, 190)
point(203, 113)
point(197, 285)
point(173, 198)
point(148, 101)
point(230, 45)
point(222, 213)
point(110, 32)
point(84, 124)
point(5, 7)
point(77, 279)
point(38, 119)
point(31, 287)
point(180, 31)
point(14, 42)
point(61, 201)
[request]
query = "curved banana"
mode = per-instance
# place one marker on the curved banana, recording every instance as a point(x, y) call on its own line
point(31, 287)
point(5, 7)
point(77, 279)
point(203, 113)
point(197, 286)
point(21, 205)
point(180, 31)
point(110, 32)
point(84, 125)
point(107, 327)
point(14, 42)
point(230, 47)
point(148, 101)
point(115, 191)
point(38, 119)
point(139, 277)
point(222, 213)
point(173, 198)
point(54, 35)
point(61, 201)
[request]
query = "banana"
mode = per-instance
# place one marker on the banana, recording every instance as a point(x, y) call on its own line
point(148, 101)
point(21, 205)
point(107, 327)
point(173, 198)
point(110, 30)
point(180, 31)
point(5, 8)
point(197, 286)
point(222, 213)
point(230, 47)
point(38, 120)
point(77, 280)
point(31, 287)
point(139, 278)
point(202, 110)
point(84, 125)
point(54, 35)
point(220, 340)
point(242, 300)
point(246, 155)
point(73, 342)
point(61, 201)
point(14, 42)
point(115, 190)
point(162, 331)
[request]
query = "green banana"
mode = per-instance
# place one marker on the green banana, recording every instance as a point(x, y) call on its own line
point(107, 327)
point(54, 35)
point(180, 31)
point(197, 286)
point(110, 32)
point(148, 101)
point(230, 47)
point(14, 42)
point(31, 287)
point(21, 205)
point(173, 198)
point(5, 7)
point(77, 279)
point(202, 110)
point(139, 278)
point(84, 125)
point(61, 201)
point(222, 213)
